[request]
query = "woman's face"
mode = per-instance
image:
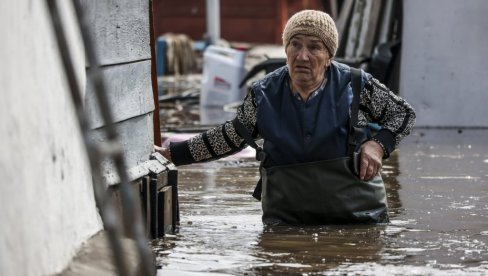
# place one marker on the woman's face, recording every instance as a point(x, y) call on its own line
point(307, 59)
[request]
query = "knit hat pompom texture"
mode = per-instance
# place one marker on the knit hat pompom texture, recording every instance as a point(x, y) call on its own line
point(315, 23)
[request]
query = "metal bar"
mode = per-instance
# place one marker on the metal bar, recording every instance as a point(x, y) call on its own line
point(107, 210)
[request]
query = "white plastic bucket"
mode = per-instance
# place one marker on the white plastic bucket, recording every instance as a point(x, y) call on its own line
point(223, 70)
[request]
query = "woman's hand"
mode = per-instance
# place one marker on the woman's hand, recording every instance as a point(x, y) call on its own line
point(371, 159)
point(163, 151)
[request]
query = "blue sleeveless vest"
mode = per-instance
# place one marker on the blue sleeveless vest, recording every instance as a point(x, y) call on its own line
point(295, 131)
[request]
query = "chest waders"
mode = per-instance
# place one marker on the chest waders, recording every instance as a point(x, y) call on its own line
point(322, 192)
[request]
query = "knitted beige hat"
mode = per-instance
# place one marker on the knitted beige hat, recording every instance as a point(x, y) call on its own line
point(316, 23)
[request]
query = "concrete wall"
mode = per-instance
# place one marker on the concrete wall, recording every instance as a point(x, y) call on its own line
point(444, 62)
point(47, 208)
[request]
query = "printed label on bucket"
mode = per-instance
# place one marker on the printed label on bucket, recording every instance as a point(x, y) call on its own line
point(221, 83)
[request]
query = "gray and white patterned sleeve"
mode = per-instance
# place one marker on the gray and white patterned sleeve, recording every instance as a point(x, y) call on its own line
point(395, 116)
point(217, 142)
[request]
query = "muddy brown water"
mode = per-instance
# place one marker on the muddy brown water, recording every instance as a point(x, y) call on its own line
point(437, 184)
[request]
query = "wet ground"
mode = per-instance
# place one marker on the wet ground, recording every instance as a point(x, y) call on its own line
point(437, 184)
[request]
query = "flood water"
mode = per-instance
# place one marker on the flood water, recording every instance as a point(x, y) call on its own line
point(437, 184)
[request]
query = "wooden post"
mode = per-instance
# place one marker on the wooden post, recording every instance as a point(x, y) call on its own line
point(173, 182)
point(281, 18)
point(165, 211)
point(146, 206)
point(153, 194)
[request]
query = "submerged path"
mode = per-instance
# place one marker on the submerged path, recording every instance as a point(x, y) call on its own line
point(437, 184)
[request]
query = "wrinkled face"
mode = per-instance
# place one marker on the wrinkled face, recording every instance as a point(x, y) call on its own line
point(307, 59)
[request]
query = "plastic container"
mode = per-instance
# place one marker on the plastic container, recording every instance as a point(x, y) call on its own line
point(160, 56)
point(223, 70)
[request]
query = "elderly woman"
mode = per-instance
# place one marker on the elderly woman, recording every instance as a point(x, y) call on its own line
point(319, 162)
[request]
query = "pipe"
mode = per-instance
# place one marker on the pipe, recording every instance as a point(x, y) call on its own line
point(213, 20)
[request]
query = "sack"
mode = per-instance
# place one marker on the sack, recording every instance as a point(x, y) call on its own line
point(323, 192)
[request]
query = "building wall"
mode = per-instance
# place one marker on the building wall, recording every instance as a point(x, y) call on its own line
point(443, 71)
point(121, 32)
point(47, 207)
point(252, 21)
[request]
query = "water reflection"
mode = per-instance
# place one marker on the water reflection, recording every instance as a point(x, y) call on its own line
point(390, 172)
point(437, 185)
point(309, 249)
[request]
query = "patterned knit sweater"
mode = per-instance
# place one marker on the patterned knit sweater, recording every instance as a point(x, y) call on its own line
point(377, 104)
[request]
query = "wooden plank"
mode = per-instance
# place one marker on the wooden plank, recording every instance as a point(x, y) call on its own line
point(134, 189)
point(367, 38)
point(138, 145)
point(129, 92)
point(162, 180)
point(165, 211)
point(153, 202)
point(120, 28)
